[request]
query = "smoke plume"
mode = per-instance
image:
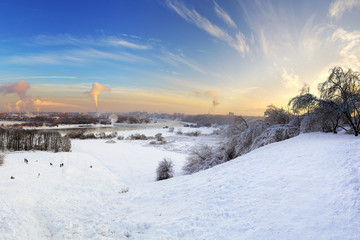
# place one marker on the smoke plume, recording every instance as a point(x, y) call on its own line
point(20, 105)
point(20, 88)
point(113, 118)
point(96, 89)
point(209, 94)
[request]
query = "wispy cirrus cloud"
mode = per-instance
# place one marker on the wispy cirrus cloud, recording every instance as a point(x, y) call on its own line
point(224, 15)
point(349, 47)
point(76, 56)
point(192, 16)
point(339, 7)
point(103, 41)
point(174, 59)
point(312, 37)
point(127, 44)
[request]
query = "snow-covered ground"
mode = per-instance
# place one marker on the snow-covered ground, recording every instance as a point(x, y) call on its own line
point(307, 187)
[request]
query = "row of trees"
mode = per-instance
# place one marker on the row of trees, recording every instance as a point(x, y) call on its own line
point(25, 140)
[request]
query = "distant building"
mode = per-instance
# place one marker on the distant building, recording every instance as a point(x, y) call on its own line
point(231, 114)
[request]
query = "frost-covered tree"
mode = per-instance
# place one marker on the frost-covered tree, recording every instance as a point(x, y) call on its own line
point(339, 98)
point(319, 112)
point(342, 89)
point(25, 140)
point(277, 115)
point(165, 170)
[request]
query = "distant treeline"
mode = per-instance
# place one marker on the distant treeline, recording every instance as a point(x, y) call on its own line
point(132, 120)
point(25, 140)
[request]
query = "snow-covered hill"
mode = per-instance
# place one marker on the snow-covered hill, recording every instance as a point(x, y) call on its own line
point(307, 187)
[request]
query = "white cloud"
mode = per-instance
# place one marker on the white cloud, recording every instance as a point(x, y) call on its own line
point(224, 15)
point(127, 44)
point(35, 59)
point(66, 39)
point(174, 59)
point(77, 55)
point(195, 18)
point(290, 79)
point(263, 42)
point(311, 37)
point(339, 7)
point(349, 43)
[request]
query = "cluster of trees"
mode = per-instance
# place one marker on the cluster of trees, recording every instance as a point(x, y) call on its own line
point(132, 120)
point(25, 140)
point(338, 106)
point(82, 134)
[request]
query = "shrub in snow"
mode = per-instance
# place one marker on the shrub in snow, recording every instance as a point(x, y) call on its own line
point(120, 137)
point(310, 124)
point(159, 137)
point(193, 134)
point(171, 129)
point(124, 190)
point(201, 158)
point(165, 170)
point(102, 135)
point(2, 158)
point(241, 138)
point(179, 132)
point(137, 136)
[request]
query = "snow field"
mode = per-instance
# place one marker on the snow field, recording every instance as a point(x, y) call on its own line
point(307, 187)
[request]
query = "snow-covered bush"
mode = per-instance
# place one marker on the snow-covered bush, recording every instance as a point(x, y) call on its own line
point(137, 136)
point(242, 137)
point(2, 158)
point(159, 137)
point(202, 157)
point(171, 129)
point(310, 123)
point(193, 134)
point(165, 170)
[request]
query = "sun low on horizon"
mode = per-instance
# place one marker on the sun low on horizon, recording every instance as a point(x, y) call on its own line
point(171, 56)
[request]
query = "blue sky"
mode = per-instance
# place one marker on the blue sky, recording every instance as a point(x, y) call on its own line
point(172, 55)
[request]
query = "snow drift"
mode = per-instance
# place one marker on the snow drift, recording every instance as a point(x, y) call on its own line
point(306, 187)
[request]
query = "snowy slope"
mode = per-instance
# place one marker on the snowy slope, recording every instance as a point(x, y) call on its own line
point(302, 188)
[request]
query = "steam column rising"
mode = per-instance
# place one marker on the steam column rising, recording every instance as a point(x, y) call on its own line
point(96, 89)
